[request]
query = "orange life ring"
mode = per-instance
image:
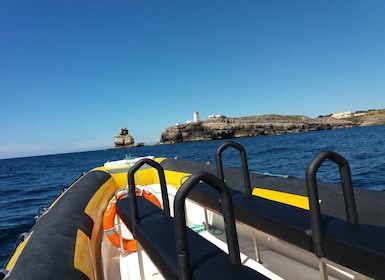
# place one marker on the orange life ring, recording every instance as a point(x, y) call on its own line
point(109, 228)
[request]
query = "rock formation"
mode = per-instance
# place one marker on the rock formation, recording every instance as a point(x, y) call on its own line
point(220, 127)
point(123, 139)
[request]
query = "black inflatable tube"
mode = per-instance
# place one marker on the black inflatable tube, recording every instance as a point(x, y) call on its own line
point(49, 253)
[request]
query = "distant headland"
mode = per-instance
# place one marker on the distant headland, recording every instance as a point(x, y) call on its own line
point(222, 127)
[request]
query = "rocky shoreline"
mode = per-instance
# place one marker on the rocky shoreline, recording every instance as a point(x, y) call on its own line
point(225, 128)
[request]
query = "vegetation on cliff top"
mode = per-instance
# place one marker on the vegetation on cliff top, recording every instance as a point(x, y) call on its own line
point(373, 117)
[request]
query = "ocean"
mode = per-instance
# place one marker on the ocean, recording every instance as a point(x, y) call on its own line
point(29, 184)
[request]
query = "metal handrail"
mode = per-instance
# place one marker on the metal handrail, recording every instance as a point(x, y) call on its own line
point(180, 220)
point(245, 168)
point(132, 188)
point(312, 188)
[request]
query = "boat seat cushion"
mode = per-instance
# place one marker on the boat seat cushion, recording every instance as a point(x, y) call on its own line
point(360, 247)
point(283, 221)
point(343, 243)
point(156, 234)
point(144, 210)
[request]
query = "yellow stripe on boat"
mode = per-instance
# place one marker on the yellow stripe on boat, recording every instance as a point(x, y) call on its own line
point(82, 259)
point(12, 261)
point(296, 200)
point(176, 178)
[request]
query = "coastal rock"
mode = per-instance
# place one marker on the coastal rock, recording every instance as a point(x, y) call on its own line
point(224, 128)
point(123, 139)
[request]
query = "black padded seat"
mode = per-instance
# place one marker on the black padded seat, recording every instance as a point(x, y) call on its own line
point(283, 221)
point(156, 233)
point(286, 222)
point(144, 210)
point(207, 197)
point(167, 240)
point(361, 247)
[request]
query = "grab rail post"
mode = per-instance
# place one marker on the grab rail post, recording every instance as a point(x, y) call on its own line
point(246, 180)
point(312, 188)
point(132, 190)
point(245, 167)
point(180, 220)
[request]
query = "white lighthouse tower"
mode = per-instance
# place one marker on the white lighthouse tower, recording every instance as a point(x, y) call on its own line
point(196, 116)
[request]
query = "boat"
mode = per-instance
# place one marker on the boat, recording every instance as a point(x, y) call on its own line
point(168, 218)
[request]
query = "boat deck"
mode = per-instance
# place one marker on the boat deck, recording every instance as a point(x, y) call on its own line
point(279, 260)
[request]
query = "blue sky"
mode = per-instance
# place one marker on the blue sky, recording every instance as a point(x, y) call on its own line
point(73, 72)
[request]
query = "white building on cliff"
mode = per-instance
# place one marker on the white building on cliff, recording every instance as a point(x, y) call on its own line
point(195, 117)
point(341, 115)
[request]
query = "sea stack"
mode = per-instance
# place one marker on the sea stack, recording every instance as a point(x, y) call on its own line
point(123, 139)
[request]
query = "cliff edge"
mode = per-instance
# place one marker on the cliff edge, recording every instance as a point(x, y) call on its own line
point(221, 127)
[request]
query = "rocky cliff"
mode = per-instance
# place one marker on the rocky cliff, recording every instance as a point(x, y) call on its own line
point(222, 127)
point(123, 139)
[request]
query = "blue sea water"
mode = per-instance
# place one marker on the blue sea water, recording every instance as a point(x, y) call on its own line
point(31, 183)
